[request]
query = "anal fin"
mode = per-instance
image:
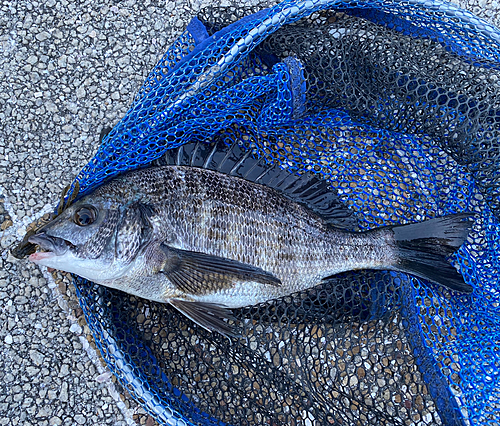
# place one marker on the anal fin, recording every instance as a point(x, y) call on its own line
point(210, 316)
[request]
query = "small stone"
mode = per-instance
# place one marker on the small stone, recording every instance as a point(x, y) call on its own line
point(64, 370)
point(32, 371)
point(55, 421)
point(122, 61)
point(101, 378)
point(427, 418)
point(8, 339)
point(81, 420)
point(6, 224)
point(75, 328)
point(80, 92)
point(62, 61)
point(20, 300)
point(63, 395)
point(44, 412)
point(12, 259)
point(62, 287)
point(50, 106)
point(37, 357)
point(44, 35)
point(33, 59)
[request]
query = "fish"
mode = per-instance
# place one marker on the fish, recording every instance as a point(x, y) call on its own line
point(217, 227)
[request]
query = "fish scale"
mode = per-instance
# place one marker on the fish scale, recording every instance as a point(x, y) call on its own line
point(271, 227)
point(207, 242)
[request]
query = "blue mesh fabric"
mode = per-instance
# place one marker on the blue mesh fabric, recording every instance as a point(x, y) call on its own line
point(397, 105)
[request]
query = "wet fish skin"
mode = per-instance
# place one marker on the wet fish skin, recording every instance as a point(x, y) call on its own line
point(203, 211)
point(205, 241)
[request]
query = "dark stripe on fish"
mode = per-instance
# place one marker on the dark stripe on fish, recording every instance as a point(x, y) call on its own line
point(307, 189)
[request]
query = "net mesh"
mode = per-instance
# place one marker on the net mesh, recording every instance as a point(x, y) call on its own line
point(396, 104)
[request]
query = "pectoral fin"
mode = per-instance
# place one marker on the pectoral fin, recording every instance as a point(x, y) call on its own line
point(210, 316)
point(199, 273)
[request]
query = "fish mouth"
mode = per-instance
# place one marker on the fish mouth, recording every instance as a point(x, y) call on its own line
point(57, 246)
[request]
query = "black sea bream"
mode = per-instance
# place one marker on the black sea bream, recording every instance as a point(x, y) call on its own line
point(220, 229)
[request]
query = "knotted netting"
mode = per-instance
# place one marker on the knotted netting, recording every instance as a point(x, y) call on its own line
point(397, 105)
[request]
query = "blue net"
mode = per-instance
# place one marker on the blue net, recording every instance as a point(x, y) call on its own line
point(397, 105)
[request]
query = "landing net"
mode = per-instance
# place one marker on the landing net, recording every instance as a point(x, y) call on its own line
point(397, 105)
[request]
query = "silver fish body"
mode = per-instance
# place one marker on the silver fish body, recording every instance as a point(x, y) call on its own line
point(203, 211)
point(206, 241)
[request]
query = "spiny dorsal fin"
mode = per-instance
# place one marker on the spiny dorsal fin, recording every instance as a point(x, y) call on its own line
point(238, 160)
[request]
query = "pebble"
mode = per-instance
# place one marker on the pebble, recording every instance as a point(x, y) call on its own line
point(101, 378)
point(80, 92)
point(43, 412)
point(42, 36)
point(64, 370)
point(63, 395)
point(6, 224)
point(37, 357)
point(75, 328)
point(32, 370)
point(55, 421)
point(81, 420)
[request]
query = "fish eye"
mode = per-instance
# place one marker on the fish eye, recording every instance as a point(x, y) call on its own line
point(85, 216)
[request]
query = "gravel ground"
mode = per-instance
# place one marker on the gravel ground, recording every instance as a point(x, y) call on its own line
point(67, 69)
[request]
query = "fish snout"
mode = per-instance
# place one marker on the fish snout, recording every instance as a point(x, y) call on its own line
point(56, 245)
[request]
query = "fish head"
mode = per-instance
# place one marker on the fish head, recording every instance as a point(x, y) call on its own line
point(82, 240)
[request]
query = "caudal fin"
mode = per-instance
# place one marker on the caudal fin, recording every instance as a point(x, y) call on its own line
point(424, 247)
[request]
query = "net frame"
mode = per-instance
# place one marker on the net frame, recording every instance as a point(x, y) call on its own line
point(166, 113)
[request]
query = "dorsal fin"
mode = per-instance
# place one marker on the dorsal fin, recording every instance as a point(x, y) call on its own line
point(238, 160)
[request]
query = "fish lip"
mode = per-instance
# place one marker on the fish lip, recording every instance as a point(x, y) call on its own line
point(56, 245)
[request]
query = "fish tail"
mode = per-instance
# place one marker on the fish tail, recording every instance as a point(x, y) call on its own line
point(422, 249)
